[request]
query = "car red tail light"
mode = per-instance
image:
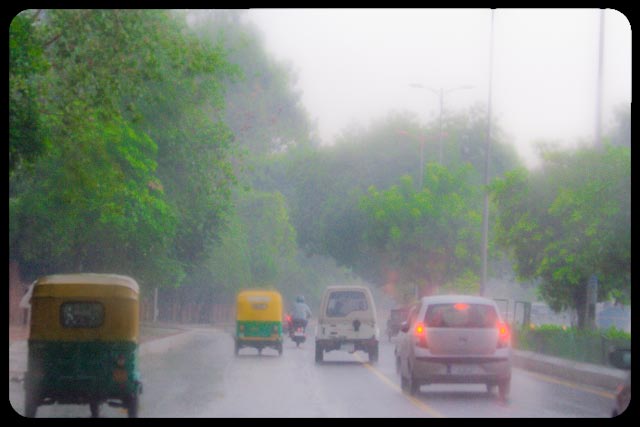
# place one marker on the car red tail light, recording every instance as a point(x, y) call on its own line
point(461, 306)
point(503, 334)
point(420, 332)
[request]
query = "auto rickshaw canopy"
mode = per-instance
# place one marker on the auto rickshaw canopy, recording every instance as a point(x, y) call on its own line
point(259, 305)
point(85, 307)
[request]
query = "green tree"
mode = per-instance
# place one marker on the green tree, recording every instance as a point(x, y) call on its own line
point(429, 237)
point(26, 66)
point(568, 221)
point(114, 190)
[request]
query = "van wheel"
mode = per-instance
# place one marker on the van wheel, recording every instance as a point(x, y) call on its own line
point(95, 409)
point(319, 353)
point(373, 354)
point(30, 404)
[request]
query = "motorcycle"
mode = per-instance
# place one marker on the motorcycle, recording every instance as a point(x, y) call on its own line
point(297, 331)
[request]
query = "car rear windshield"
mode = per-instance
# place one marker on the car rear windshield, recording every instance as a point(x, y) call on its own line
point(461, 315)
point(341, 303)
point(81, 314)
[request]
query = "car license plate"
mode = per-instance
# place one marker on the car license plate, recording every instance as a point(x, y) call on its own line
point(350, 347)
point(465, 369)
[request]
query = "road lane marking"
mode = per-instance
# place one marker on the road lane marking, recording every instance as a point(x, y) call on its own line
point(571, 385)
point(416, 402)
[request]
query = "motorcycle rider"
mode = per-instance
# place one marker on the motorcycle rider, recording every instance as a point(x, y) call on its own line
point(300, 314)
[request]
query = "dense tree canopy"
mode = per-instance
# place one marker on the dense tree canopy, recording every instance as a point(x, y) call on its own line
point(568, 221)
point(104, 193)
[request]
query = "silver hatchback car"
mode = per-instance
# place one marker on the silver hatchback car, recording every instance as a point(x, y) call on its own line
point(454, 339)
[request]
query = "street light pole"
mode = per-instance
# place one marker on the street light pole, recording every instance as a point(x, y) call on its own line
point(485, 210)
point(440, 134)
point(440, 94)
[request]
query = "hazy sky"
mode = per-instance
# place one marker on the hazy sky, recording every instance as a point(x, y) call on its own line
point(356, 65)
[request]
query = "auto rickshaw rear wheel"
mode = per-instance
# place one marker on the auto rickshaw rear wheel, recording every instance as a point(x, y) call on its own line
point(95, 409)
point(30, 404)
point(132, 403)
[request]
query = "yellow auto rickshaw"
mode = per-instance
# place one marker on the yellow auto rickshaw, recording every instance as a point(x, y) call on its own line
point(258, 320)
point(83, 343)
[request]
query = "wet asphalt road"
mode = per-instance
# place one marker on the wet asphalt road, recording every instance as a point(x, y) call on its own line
point(205, 379)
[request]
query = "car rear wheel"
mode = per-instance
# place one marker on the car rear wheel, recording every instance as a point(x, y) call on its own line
point(503, 389)
point(412, 385)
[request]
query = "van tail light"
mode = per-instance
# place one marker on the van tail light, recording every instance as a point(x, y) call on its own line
point(504, 336)
point(420, 332)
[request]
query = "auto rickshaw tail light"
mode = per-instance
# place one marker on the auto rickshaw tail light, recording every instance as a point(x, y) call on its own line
point(120, 375)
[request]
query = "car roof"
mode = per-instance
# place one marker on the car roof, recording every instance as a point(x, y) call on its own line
point(347, 288)
point(452, 298)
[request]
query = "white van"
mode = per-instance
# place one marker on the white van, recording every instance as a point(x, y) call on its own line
point(347, 321)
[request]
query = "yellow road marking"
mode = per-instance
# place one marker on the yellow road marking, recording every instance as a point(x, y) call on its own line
point(416, 402)
point(571, 385)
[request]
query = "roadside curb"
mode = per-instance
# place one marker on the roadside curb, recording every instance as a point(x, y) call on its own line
point(582, 373)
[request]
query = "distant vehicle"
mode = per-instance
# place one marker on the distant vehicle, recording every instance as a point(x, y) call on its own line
point(621, 359)
point(394, 322)
point(347, 321)
point(454, 339)
point(258, 320)
point(83, 343)
point(297, 333)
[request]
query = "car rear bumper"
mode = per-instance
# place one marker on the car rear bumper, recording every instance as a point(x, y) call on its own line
point(462, 370)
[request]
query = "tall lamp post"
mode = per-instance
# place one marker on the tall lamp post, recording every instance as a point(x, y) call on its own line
point(441, 94)
point(485, 210)
point(421, 140)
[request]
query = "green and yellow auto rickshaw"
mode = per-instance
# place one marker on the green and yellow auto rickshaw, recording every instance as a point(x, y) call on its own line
point(258, 320)
point(83, 343)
